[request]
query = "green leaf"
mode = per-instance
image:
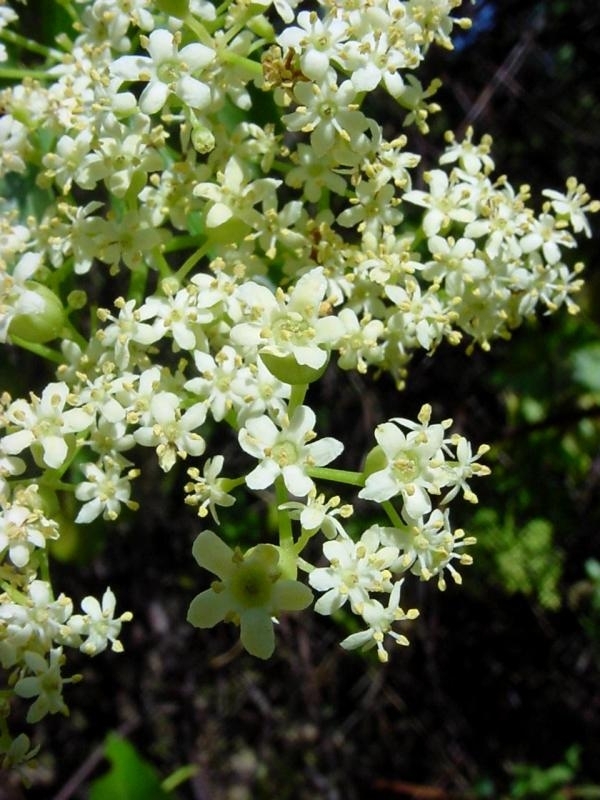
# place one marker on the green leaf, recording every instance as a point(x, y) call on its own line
point(586, 367)
point(130, 776)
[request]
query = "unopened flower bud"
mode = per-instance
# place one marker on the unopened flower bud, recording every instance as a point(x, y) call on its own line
point(40, 316)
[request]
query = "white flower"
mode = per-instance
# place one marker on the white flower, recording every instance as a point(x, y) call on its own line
point(318, 42)
point(355, 570)
point(104, 490)
point(413, 463)
point(573, 204)
point(464, 468)
point(288, 327)
point(22, 529)
point(168, 71)
point(446, 201)
point(206, 491)
point(318, 514)
point(99, 625)
point(286, 452)
point(45, 422)
point(217, 385)
point(234, 195)
point(428, 546)
point(127, 330)
point(328, 112)
point(178, 315)
point(172, 432)
point(33, 623)
point(379, 621)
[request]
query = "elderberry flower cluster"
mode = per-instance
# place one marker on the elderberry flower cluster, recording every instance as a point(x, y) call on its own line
point(255, 258)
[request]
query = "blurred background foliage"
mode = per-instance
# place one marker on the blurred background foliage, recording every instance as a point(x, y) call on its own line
point(498, 696)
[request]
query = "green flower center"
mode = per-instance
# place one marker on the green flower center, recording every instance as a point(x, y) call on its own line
point(293, 328)
point(406, 467)
point(285, 453)
point(251, 585)
point(169, 71)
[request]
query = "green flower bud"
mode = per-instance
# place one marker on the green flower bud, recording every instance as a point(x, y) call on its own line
point(41, 317)
point(287, 369)
point(203, 139)
point(375, 461)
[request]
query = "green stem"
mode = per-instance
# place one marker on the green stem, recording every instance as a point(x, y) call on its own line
point(53, 484)
point(163, 265)
point(191, 262)
point(304, 539)
point(254, 68)
point(198, 28)
point(392, 514)
point(38, 349)
point(66, 4)
point(137, 284)
point(182, 243)
point(178, 777)
point(297, 396)
point(15, 594)
point(10, 73)
point(70, 332)
point(27, 44)
point(45, 567)
point(286, 536)
point(336, 475)
point(229, 484)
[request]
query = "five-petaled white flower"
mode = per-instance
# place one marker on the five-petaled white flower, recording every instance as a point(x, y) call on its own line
point(288, 452)
point(167, 70)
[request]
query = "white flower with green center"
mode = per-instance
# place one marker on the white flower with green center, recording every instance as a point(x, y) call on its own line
point(318, 41)
point(34, 622)
point(355, 570)
point(172, 431)
point(411, 465)
point(22, 530)
point(290, 333)
point(328, 112)
point(217, 382)
point(104, 490)
point(234, 196)
point(446, 201)
point(288, 451)
point(126, 331)
point(251, 590)
point(44, 423)
point(167, 70)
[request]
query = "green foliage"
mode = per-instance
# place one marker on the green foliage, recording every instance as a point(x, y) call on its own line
point(532, 782)
point(552, 783)
point(586, 366)
point(130, 776)
point(584, 598)
point(520, 558)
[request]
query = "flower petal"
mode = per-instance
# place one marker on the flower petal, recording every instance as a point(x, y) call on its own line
point(208, 608)
point(289, 595)
point(257, 633)
point(213, 554)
